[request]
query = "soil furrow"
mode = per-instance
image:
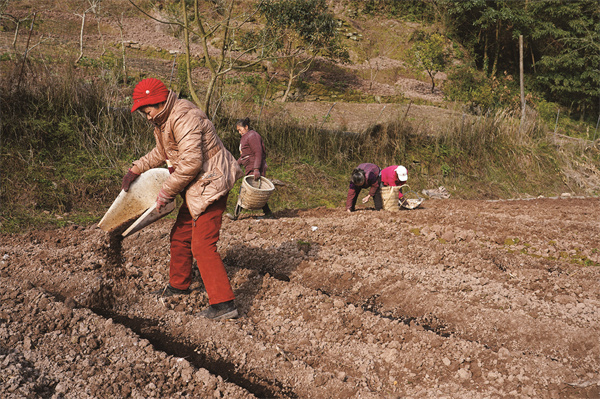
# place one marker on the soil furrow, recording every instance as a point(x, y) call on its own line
point(195, 354)
point(58, 349)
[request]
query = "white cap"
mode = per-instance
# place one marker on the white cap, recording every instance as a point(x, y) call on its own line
point(402, 173)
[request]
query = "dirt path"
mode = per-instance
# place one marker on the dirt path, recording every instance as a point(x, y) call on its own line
point(459, 299)
point(357, 117)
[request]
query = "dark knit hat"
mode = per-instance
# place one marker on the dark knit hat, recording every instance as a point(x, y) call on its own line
point(149, 92)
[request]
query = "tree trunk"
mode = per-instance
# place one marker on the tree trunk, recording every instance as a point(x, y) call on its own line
point(291, 78)
point(289, 88)
point(497, 52)
point(100, 34)
point(26, 51)
point(81, 37)
point(431, 75)
point(209, 91)
point(123, 53)
point(14, 43)
point(188, 64)
point(215, 67)
point(486, 61)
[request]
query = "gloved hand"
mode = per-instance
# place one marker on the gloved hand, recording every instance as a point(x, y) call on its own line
point(170, 166)
point(128, 179)
point(163, 199)
point(256, 174)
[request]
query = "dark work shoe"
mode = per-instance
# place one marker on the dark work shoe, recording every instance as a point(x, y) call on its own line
point(170, 291)
point(218, 311)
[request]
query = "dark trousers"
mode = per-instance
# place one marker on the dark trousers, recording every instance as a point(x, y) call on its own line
point(377, 199)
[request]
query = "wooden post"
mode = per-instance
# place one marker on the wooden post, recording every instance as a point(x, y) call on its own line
point(521, 79)
point(328, 112)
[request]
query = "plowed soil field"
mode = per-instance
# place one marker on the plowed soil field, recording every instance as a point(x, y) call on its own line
point(456, 299)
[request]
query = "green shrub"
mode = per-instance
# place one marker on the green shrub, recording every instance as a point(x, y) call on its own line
point(481, 93)
point(68, 137)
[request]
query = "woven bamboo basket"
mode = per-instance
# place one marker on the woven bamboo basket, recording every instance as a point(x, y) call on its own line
point(255, 194)
point(411, 199)
point(389, 195)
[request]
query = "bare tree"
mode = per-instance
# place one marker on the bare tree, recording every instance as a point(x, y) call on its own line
point(371, 52)
point(26, 52)
point(217, 23)
point(93, 5)
point(302, 30)
point(16, 20)
point(97, 14)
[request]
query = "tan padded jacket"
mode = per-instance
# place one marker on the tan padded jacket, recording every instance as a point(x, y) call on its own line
point(204, 170)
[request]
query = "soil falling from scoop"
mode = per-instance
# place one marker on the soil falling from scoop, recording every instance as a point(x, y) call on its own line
point(114, 253)
point(114, 258)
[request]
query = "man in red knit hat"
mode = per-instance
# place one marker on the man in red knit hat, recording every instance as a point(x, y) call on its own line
point(202, 172)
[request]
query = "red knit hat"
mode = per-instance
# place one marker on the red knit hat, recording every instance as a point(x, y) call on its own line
point(149, 92)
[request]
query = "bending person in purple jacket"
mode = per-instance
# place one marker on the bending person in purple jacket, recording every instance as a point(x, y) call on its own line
point(252, 160)
point(367, 176)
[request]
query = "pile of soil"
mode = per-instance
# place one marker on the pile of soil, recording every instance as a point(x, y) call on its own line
point(460, 299)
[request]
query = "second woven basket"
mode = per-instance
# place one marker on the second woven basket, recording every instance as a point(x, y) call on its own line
point(254, 194)
point(390, 197)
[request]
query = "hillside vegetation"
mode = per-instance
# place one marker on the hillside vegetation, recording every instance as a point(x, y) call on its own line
point(68, 69)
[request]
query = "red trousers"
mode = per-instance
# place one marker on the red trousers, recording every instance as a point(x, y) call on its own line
point(198, 239)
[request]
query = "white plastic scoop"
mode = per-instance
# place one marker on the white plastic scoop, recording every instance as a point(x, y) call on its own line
point(149, 217)
point(139, 200)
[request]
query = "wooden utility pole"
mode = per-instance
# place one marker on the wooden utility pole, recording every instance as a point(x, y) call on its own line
point(521, 79)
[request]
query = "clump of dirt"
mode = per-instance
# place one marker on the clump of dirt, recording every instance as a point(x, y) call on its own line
point(102, 297)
